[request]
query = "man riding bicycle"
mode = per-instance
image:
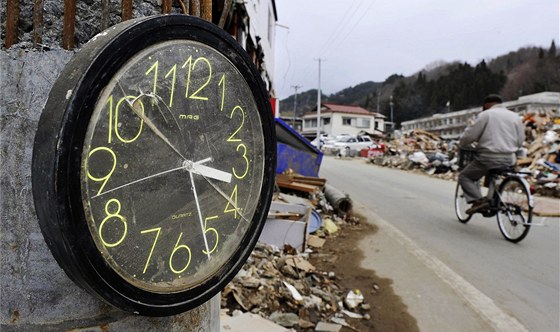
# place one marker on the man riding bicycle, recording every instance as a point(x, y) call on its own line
point(499, 134)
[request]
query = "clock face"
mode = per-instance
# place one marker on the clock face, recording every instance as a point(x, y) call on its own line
point(153, 164)
point(173, 166)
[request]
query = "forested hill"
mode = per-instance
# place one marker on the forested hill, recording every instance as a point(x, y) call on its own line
point(526, 71)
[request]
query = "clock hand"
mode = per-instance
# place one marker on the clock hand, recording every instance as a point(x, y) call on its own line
point(147, 121)
point(195, 167)
point(226, 197)
point(207, 171)
point(193, 187)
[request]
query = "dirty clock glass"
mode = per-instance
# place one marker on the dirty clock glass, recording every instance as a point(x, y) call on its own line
point(174, 168)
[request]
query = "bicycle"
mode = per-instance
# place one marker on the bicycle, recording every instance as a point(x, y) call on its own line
point(510, 200)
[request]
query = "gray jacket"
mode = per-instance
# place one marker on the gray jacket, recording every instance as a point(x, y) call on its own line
point(497, 131)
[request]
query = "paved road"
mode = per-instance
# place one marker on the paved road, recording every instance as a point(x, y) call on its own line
point(452, 276)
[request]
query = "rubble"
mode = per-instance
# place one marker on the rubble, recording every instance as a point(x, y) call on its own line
point(423, 151)
point(290, 292)
point(280, 285)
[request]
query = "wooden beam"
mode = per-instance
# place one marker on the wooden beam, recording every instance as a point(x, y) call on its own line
point(12, 18)
point(195, 8)
point(126, 10)
point(296, 186)
point(167, 6)
point(104, 14)
point(37, 22)
point(225, 13)
point(207, 10)
point(69, 24)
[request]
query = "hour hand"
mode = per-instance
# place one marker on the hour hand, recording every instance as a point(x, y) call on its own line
point(208, 172)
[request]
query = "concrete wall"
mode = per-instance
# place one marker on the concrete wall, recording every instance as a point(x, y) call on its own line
point(35, 293)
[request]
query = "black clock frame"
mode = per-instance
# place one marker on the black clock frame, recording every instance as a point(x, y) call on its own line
point(57, 160)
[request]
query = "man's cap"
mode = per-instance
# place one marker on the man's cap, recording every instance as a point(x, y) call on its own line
point(493, 98)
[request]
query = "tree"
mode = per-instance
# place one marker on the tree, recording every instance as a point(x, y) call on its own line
point(552, 49)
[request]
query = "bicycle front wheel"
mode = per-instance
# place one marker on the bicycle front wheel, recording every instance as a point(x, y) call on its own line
point(461, 205)
point(514, 211)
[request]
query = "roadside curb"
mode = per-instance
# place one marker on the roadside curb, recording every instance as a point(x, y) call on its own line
point(546, 206)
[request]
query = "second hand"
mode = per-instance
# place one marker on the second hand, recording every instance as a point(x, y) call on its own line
point(199, 214)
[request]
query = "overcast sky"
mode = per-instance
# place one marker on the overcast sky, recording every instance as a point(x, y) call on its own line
point(369, 40)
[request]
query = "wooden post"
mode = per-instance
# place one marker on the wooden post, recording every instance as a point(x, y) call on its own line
point(37, 23)
point(104, 14)
point(126, 10)
point(195, 8)
point(12, 18)
point(167, 6)
point(207, 10)
point(225, 13)
point(69, 24)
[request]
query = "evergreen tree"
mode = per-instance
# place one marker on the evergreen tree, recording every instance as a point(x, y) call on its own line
point(552, 49)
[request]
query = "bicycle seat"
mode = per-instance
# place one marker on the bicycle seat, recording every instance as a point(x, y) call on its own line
point(501, 170)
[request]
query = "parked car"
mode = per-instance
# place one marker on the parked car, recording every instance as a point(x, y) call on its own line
point(354, 143)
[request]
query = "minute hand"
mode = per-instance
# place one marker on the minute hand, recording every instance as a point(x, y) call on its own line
point(210, 172)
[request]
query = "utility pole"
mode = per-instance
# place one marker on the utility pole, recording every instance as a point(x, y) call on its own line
point(391, 104)
point(319, 106)
point(296, 87)
point(378, 96)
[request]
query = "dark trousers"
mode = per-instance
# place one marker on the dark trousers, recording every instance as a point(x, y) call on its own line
point(470, 176)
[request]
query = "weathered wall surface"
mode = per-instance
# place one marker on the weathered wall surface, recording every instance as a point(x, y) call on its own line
point(35, 293)
point(88, 19)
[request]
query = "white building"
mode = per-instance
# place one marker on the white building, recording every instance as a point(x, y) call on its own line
point(253, 24)
point(452, 125)
point(343, 119)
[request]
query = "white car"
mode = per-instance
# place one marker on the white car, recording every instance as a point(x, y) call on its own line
point(356, 143)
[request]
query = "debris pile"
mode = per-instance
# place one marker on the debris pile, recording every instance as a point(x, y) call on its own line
point(283, 287)
point(278, 283)
point(421, 150)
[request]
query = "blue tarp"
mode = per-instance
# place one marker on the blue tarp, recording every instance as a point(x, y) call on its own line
point(296, 152)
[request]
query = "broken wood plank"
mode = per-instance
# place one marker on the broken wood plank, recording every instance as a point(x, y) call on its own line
point(296, 186)
point(319, 182)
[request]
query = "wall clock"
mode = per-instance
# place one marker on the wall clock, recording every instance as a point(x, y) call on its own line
point(153, 164)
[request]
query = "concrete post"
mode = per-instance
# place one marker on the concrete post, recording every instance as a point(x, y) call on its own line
point(35, 293)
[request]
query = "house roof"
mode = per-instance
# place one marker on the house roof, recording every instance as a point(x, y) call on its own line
point(345, 108)
point(349, 109)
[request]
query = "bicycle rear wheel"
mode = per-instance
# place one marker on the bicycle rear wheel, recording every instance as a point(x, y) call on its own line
point(514, 211)
point(461, 205)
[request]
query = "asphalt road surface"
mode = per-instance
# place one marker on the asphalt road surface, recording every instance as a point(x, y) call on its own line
point(452, 276)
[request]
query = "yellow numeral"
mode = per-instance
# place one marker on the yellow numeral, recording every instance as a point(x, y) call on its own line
point(139, 106)
point(223, 84)
point(154, 68)
point(105, 178)
point(190, 67)
point(173, 70)
point(233, 199)
point(232, 138)
point(110, 102)
point(178, 247)
point(246, 162)
point(213, 230)
point(158, 229)
point(109, 217)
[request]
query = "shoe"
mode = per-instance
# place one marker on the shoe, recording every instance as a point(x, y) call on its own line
point(478, 206)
